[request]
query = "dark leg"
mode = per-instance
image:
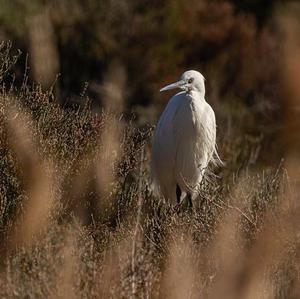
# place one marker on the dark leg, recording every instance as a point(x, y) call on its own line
point(189, 197)
point(178, 193)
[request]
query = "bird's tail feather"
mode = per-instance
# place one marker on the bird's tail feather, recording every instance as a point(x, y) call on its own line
point(216, 160)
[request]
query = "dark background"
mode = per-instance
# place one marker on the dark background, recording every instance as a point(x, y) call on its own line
point(139, 46)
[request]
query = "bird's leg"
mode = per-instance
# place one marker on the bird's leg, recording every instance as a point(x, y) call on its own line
point(189, 197)
point(178, 194)
point(179, 201)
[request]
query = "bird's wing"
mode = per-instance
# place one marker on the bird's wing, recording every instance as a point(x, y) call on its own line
point(164, 149)
point(188, 132)
point(194, 128)
point(166, 122)
point(212, 129)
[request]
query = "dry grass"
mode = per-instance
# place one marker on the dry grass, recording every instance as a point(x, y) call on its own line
point(78, 219)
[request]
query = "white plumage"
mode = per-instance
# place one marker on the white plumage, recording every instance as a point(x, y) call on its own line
point(184, 141)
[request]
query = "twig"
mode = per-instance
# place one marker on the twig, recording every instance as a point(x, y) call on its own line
point(136, 230)
point(242, 213)
point(237, 209)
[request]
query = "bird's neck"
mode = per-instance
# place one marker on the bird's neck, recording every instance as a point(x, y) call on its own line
point(196, 94)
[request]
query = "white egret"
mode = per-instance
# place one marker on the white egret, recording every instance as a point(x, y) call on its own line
point(184, 141)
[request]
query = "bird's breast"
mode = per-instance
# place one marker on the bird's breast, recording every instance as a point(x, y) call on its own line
point(196, 113)
point(199, 131)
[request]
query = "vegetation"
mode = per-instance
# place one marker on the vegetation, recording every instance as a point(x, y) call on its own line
point(78, 218)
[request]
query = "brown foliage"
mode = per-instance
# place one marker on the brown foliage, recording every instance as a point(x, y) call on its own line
point(77, 215)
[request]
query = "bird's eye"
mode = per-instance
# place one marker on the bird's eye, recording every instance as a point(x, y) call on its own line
point(191, 80)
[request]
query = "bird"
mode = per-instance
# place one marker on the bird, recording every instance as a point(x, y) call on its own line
point(184, 141)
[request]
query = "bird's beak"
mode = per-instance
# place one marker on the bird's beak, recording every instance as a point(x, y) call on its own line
point(180, 84)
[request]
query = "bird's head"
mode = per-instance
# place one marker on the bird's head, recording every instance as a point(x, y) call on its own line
point(189, 81)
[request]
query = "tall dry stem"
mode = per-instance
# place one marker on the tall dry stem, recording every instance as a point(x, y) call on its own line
point(36, 178)
point(43, 50)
